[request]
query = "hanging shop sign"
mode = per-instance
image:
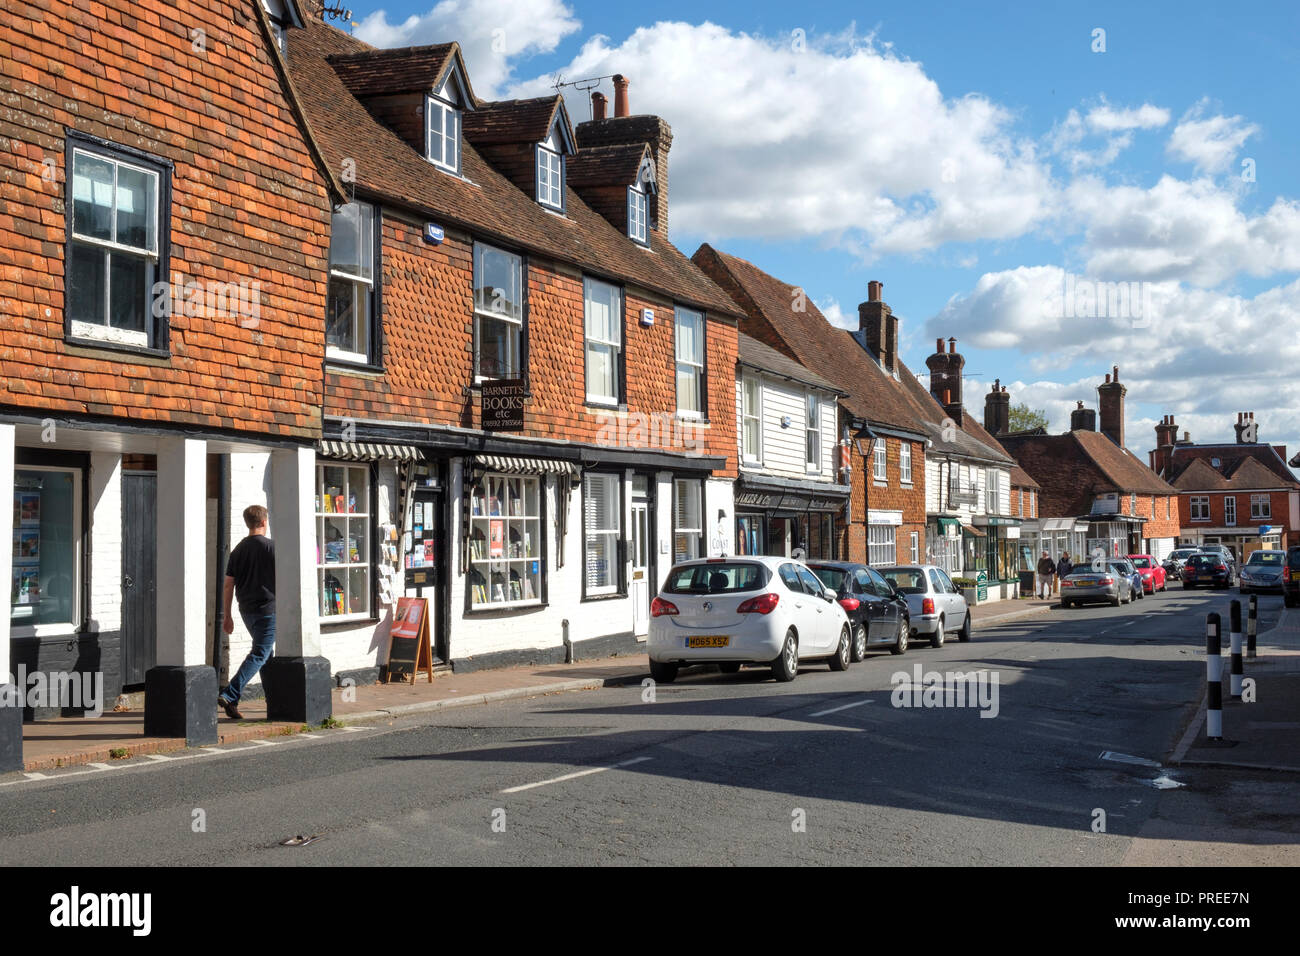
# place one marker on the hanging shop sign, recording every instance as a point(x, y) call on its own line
point(502, 408)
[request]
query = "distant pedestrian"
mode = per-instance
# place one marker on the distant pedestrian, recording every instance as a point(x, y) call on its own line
point(1046, 571)
point(1063, 569)
point(250, 576)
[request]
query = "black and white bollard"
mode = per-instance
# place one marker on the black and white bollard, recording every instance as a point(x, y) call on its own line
point(1252, 623)
point(1213, 679)
point(1235, 679)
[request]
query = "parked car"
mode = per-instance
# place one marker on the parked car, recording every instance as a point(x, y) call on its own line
point(1115, 584)
point(936, 607)
point(1224, 552)
point(1291, 577)
point(1153, 575)
point(1134, 576)
point(1263, 571)
point(752, 610)
point(1208, 568)
point(878, 614)
point(1173, 563)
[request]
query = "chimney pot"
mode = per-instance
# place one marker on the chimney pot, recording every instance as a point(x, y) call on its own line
point(952, 345)
point(938, 346)
point(1116, 373)
point(620, 95)
point(947, 396)
point(598, 102)
point(1187, 436)
point(1108, 378)
point(874, 290)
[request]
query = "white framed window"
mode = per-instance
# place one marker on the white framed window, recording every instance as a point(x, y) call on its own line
point(1033, 502)
point(349, 305)
point(46, 577)
point(882, 546)
point(603, 311)
point(602, 511)
point(914, 547)
point(812, 438)
point(498, 313)
point(688, 519)
point(505, 541)
point(113, 258)
point(1020, 503)
point(751, 413)
point(1133, 503)
point(879, 460)
point(1200, 507)
point(1167, 500)
point(343, 539)
point(905, 462)
point(1229, 509)
point(638, 215)
point(688, 331)
point(550, 178)
point(1260, 507)
point(442, 134)
point(990, 491)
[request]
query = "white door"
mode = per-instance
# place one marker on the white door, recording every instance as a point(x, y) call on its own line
point(640, 586)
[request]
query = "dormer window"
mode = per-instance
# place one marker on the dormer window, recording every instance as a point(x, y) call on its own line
point(550, 178)
point(442, 110)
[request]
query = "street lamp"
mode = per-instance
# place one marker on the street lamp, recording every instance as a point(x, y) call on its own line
point(865, 440)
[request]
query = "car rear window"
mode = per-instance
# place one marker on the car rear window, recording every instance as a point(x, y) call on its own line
point(907, 580)
point(1200, 560)
point(1141, 562)
point(1271, 559)
point(833, 578)
point(721, 578)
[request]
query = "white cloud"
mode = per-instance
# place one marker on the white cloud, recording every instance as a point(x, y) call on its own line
point(494, 35)
point(1107, 119)
point(830, 308)
point(1209, 142)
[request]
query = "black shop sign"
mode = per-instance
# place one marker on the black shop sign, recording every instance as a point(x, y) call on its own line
point(502, 408)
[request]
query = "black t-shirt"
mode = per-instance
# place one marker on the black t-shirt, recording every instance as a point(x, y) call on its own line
point(252, 565)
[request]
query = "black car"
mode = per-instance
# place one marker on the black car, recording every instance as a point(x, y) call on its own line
point(1208, 568)
point(877, 610)
point(1291, 577)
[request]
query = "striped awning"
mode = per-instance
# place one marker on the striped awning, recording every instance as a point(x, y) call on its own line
point(368, 451)
point(525, 466)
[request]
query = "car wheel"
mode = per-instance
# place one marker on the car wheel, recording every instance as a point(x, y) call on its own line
point(1066, 604)
point(729, 668)
point(860, 643)
point(937, 640)
point(900, 646)
point(1115, 601)
point(964, 635)
point(843, 652)
point(663, 673)
point(786, 666)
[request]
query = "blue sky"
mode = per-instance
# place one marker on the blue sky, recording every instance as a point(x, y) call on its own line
point(970, 156)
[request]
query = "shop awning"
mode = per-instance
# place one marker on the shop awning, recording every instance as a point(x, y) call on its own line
point(1058, 524)
point(525, 466)
point(949, 525)
point(972, 530)
point(998, 520)
point(368, 451)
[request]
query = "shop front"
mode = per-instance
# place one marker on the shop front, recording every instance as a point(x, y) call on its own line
point(1002, 558)
point(779, 517)
point(1116, 536)
point(943, 543)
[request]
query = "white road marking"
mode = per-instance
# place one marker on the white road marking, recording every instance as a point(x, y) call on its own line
point(157, 757)
point(823, 713)
point(1127, 758)
point(574, 776)
point(101, 766)
point(265, 743)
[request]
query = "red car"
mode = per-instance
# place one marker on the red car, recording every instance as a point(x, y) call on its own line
point(1153, 575)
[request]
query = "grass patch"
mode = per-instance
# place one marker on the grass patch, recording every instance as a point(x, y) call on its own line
point(119, 753)
point(331, 723)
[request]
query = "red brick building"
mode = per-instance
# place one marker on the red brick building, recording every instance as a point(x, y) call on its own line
point(163, 248)
point(492, 255)
point(1229, 493)
point(885, 520)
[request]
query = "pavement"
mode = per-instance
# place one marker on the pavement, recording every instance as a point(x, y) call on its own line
point(75, 741)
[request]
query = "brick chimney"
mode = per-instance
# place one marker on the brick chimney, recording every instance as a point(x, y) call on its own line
point(879, 327)
point(598, 102)
point(1166, 433)
point(1110, 405)
point(997, 409)
point(1246, 429)
point(1083, 419)
point(945, 377)
point(1185, 440)
point(623, 128)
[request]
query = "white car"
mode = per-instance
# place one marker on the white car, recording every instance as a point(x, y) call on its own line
point(745, 610)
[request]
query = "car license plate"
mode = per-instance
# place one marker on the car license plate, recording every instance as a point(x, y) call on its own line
point(716, 640)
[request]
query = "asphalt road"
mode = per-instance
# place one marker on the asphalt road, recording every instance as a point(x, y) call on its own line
point(711, 769)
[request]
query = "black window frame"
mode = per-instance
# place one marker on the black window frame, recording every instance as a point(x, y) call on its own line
point(375, 334)
point(620, 401)
point(159, 326)
point(475, 379)
point(620, 550)
point(703, 415)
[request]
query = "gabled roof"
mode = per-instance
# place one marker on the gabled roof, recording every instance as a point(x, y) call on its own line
point(755, 354)
point(484, 202)
point(1199, 476)
point(1121, 466)
point(608, 165)
point(518, 121)
point(808, 338)
point(412, 69)
point(1057, 462)
point(1269, 467)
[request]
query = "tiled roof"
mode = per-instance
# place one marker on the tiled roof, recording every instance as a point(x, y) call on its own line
point(484, 201)
point(1060, 462)
point(969, 441)
point(513, 121)
point(606, 165)
point(1269, 469)
point(1120, 465)
point(807, 337)
point(368, 72)
point(1199, 475)
point(757, 355)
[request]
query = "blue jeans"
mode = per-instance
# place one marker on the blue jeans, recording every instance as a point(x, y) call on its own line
point(262, 627)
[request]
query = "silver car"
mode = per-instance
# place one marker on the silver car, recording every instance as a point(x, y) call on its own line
point(937, 608)
point(1114, 585)
point(1263, 571)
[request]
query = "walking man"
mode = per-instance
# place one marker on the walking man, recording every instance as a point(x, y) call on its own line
point(250, 576)
point(1046, 570)
point(1063, 569)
